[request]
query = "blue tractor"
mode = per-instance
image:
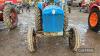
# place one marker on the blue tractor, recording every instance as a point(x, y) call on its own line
point(52, 22)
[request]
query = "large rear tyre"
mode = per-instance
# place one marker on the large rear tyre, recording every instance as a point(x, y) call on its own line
point(10, 17)
point(74, 39)
point(65, 22)
point(31, 39)
point(38, 20)
point(94, 20)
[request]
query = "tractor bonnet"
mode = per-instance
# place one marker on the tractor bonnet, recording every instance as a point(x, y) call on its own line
point(52, 19)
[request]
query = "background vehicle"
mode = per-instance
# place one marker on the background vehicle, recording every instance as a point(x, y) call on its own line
point(52, 20)
point(94, 17)
point(76, 3)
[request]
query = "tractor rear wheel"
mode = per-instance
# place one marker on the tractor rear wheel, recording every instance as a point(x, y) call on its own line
point(38, 20)
point(94, 20)
point(74, 39)
point(65, 23)
point(10, 17)
point(31, 39)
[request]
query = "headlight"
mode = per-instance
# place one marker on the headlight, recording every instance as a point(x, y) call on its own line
point(53, 11)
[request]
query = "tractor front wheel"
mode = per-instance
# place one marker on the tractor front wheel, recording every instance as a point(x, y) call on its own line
point(31, 39)
point(74, 39)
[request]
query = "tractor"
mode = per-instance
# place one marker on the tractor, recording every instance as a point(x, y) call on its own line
point(52, 21)
point(94, 16)
point(8, 15)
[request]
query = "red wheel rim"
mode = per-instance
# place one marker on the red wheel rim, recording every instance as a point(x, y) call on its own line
point(93, 19)
point(13, 17)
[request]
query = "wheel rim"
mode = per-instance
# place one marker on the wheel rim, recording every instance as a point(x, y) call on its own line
point(14, 19)
point(93, 19)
